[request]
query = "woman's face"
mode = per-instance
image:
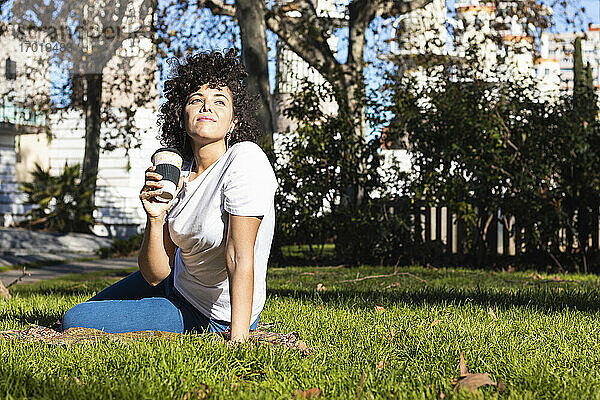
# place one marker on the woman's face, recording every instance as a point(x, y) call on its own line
point(208, 114)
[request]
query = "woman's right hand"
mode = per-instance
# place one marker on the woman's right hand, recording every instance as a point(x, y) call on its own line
point(152, 188)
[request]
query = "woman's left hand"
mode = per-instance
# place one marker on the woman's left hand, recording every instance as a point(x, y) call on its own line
point(235, 341)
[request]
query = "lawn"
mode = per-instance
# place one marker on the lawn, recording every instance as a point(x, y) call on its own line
point(403, 334)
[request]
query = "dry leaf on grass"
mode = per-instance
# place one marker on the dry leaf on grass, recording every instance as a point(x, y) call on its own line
point(78, 381)
point(311, 393)
point(501, 387)
point(198, 393)
point(535, 276)
point(379, 309)
point(471, 382)
point(300, 345)
point(321, 287)
point(391, 334)
point(491, 312)
point(462, 365)
point(381, 364)
point(435, 322)
point(4, 293)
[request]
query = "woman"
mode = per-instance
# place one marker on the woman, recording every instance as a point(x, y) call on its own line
point(203, 260)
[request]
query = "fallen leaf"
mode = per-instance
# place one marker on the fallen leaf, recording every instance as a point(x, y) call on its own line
point(511, 269)
point(199, 393)
point(379, 309)
point(468, 381)
point(300, 345)
point(435, 322)
point(491, 312)
point(380, 364)
point(78, 381)
point(320, 287)
point(311, 393)
point(501, 387)
point(319, 307)
point(4, 293)
point(472, 382)
point(535, 276)
point(462, 365)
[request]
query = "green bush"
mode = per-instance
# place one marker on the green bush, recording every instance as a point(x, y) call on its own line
point(60, 203)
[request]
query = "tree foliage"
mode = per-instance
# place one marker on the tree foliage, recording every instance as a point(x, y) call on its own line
point(494, 152)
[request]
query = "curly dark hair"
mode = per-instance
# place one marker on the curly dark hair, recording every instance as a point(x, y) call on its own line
point(198, 69)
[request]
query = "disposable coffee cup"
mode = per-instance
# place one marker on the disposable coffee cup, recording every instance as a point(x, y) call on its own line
point(168, 163)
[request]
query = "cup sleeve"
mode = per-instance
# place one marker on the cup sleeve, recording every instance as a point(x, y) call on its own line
point(250, 185)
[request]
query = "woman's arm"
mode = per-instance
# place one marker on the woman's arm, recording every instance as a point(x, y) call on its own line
point(239, 259)
point(157, 253)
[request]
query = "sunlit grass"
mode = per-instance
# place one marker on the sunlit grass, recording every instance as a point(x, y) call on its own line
point(405, 332)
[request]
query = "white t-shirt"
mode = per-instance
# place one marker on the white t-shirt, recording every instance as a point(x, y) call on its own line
point(240, 182)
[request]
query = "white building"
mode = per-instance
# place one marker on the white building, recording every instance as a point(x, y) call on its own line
point(22, 131)
point(556, 62)
point(25, 142)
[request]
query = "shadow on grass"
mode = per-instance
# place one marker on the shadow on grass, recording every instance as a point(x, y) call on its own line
point(35, 317)
point(544, 299)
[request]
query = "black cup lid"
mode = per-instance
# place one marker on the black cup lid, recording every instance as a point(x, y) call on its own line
point(167, 149)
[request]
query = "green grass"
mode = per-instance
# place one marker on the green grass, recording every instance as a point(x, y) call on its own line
point(543, 342)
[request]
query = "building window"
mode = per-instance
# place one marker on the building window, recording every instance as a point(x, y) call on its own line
point(11, 69)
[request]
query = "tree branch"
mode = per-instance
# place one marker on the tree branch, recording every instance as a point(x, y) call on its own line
point(304, 35)
point(384, 276)
point(218, 7)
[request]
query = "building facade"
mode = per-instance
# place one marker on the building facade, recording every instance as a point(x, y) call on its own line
point(27, 138)
point(556, 62)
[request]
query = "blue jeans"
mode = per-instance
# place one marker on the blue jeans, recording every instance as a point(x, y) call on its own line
point(134, 305)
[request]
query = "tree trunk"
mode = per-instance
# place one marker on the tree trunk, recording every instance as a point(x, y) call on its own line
point(253, 32)
point(92, 107)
